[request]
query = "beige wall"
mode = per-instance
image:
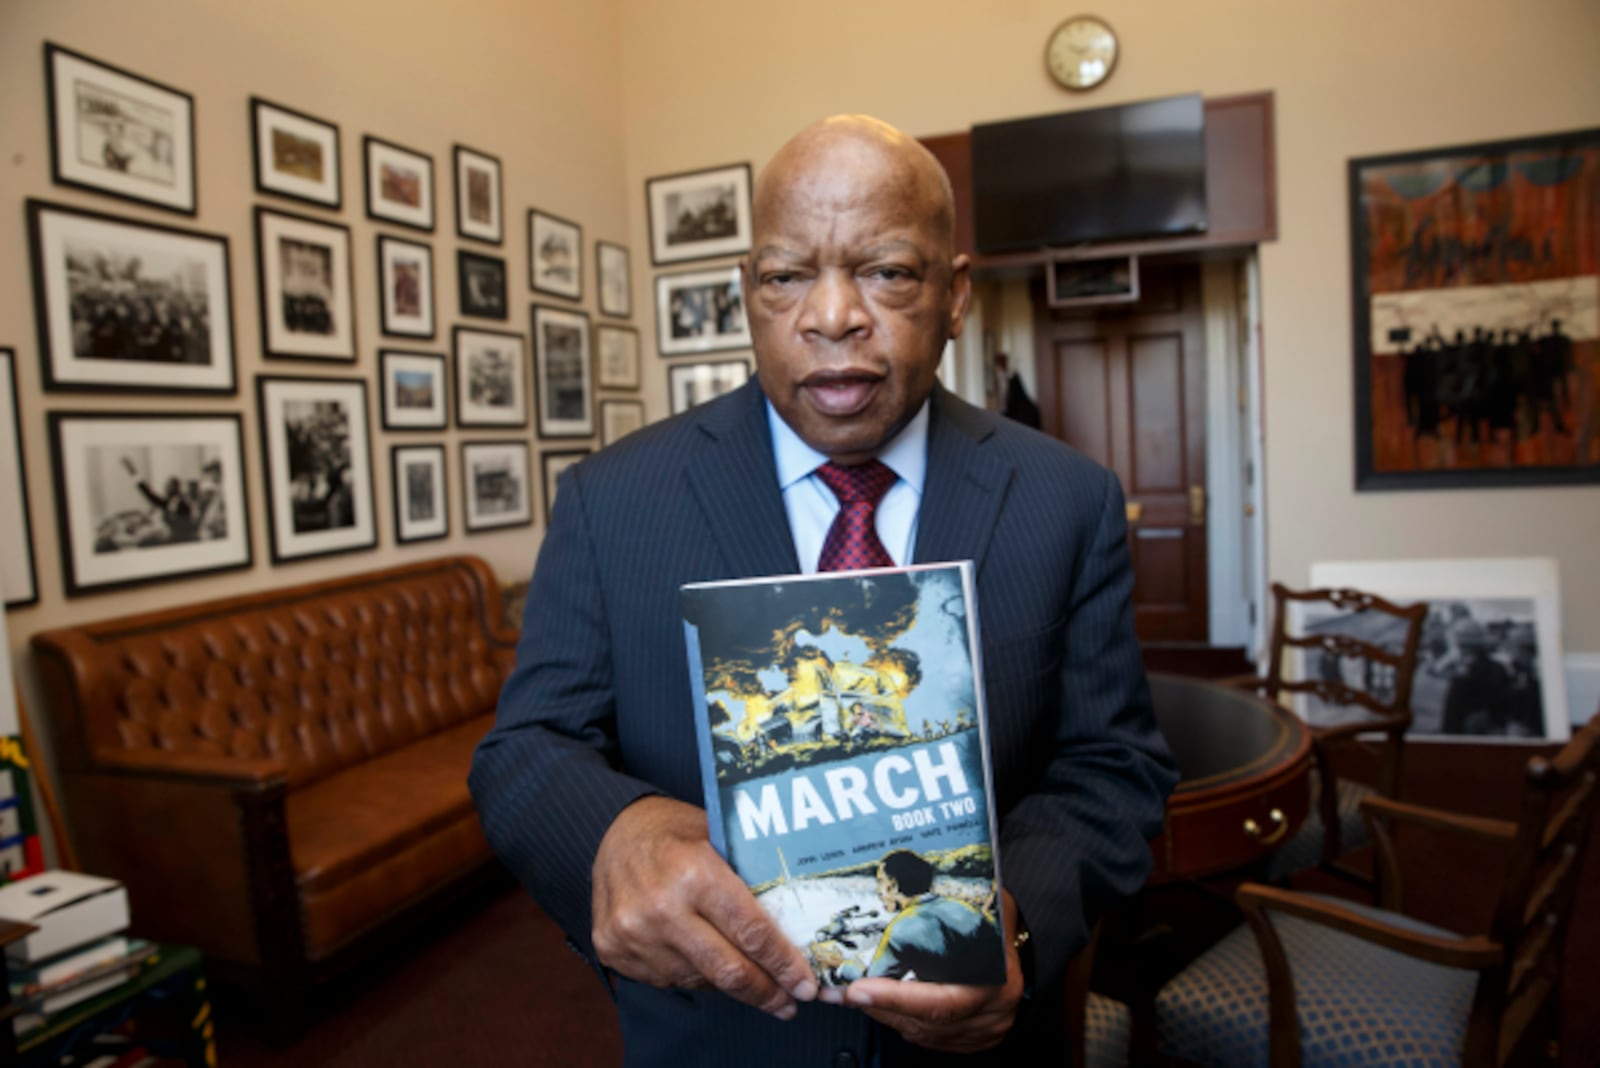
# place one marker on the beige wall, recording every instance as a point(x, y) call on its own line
point(533, 81)
point(709, 81)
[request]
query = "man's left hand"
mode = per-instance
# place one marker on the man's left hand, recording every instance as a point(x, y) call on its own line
point(946, 1016)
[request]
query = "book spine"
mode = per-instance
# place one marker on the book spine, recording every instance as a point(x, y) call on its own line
point(708, 760)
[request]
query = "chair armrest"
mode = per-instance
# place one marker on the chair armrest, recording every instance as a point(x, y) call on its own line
point(1460, 951)
point(233, 772)
point(1437, 819)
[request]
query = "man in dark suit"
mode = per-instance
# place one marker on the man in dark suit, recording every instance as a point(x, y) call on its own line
point(589, 784)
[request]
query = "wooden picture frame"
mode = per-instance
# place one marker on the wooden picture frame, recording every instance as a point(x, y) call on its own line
point(419, 492)
point(405, 287)
point(413, 390)
point(480, 215)
point(155, 316)
point(315, 446)
point(481, 286)
point(700, 311)
point(613, 272)
point(295, 155)
point(491, 378)
point(399, 183)
point(699, 215)
point(1476, 313)
point(689, 384)
point(306, 287)
point(618, 419)
point(616, 356)
point(496, 493)
point(119, 133)
point(555, 255)
point(563, 372)
point(551, 466)
point(148, 497)
point(19, 582)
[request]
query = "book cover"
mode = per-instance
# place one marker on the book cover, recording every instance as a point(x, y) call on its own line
point(844, 756)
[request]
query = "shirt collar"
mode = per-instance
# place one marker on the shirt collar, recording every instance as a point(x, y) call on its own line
point(906, 454)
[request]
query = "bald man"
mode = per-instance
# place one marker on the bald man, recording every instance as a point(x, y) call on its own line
point(589, 784)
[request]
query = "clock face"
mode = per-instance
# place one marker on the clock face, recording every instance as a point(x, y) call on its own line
point(1081, 52)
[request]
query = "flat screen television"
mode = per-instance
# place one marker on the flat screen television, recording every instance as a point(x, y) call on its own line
point(1100, 174)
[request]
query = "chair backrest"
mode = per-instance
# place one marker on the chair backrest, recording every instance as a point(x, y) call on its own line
point(1541, 888)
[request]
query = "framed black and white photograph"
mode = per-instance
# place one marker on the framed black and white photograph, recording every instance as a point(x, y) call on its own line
point(1490, 664)
point(19, 586)
point(699, 215)
point(140, 498)
point(126, 305)
point(491, 378)
point(551, 465)
point(405, 287)
point(296, 155)
point(494, 485)
point(700, 311)
point(421, 511)
point(555, 255)
point(689, 384)
point(481, 282)
point(413, 390)
point(615, 276)
point(116, 132)
point(619, 418)
point(478, 196)
point(307, 299)
point(319, 466)
point(616, 356)
point(561, 371)
point(399, 183)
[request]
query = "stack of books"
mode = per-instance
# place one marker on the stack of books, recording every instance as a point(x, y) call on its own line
point(79, 949)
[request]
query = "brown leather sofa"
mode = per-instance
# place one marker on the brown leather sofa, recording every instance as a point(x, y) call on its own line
point(277, 778)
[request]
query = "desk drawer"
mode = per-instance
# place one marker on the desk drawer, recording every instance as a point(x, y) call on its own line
point(1202, 837)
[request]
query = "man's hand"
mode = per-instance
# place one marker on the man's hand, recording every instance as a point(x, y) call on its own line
point(668, 911)
point(945, 1016)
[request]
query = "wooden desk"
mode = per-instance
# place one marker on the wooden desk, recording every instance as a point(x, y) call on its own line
point(1245, 763)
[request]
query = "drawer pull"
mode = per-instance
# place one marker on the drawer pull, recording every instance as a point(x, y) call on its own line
point(1280, 827)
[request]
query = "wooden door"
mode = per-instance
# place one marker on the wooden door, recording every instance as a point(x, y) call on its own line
point(1126, 385)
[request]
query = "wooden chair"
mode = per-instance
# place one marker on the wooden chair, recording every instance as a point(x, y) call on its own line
point(1346, 983)
point(1381, 639)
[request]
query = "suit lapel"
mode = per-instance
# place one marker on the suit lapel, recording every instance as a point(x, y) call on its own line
point(966, 485)
point(735, 483)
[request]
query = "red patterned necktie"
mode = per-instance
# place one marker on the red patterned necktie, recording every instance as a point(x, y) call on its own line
point(852, 541)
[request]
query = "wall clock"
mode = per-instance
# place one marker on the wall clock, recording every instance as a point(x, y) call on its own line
point(1081, 52)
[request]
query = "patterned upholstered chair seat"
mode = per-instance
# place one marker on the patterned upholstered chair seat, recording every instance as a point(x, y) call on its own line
point(1105, 1033)
point(1359, 1004)
point(1304, 850)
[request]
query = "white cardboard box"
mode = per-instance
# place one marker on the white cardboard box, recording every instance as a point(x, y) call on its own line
point(68, 908)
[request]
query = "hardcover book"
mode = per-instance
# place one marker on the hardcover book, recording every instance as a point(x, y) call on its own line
point(844, 755)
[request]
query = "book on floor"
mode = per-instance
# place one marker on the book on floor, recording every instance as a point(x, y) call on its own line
point(844, 756)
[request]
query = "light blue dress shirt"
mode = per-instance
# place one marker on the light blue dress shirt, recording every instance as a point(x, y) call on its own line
point(811, 504)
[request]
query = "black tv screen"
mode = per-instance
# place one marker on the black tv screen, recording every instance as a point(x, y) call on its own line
point(1128, 171)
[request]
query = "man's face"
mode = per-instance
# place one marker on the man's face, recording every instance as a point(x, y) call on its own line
point(889, 892)
point(852, 293)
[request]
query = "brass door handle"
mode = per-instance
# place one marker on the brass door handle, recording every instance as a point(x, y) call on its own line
point(1280, 827)
point(1135, 511)
point(1197, 505)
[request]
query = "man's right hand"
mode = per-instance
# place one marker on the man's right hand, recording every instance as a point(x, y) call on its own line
point(668, 911)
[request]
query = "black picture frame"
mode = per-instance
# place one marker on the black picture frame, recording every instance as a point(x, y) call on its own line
point(199, 522)
point(496, 471)
point(413, 470)
point(154, 166)
point(700, 311)
point(481, 286)
point(563, 372)
point(19, 580)
point(690, 384)
point(405, 288)
point(164, 357)
point(1474, 313)
point(413, 390)
point(551, 465)
point(491, 378)
point(613, 274)
point(390, 170)
point(335, 515)
point(616, 356)
point(288, 148)
point(699, 215)
point(297, 322)
point(552, 243)
point(480, 197)
point(619, 418)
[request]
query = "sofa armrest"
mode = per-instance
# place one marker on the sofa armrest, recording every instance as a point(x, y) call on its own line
point(231, 773)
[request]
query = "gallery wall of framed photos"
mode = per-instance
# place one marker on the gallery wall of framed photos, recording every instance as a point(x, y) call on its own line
point(266, 312)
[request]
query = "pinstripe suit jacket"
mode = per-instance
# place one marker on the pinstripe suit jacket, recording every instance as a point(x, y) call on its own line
point(598, 711)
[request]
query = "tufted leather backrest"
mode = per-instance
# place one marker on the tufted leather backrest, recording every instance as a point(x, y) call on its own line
point(314, 677)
